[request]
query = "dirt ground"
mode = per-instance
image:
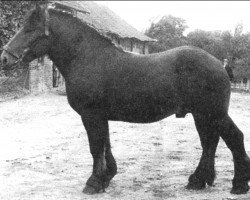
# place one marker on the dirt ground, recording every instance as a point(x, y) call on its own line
point(44, 154)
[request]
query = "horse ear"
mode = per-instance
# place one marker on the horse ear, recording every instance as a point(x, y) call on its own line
point(38, 7)
point(39, 10)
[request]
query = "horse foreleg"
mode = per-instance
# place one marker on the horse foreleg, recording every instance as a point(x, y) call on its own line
point(234, 139)
point(209, 137)
point(104, 165)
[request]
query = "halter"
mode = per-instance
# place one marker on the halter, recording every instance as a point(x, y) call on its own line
point(8, 50)
point(20, 57)
point(17, 62)
point(46, 23)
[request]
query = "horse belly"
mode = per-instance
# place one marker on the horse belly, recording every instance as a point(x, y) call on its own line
point(143, 110)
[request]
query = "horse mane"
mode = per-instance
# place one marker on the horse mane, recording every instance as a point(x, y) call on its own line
point(88, 26)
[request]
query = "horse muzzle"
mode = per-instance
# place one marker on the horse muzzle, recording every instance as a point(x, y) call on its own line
point(8, 59)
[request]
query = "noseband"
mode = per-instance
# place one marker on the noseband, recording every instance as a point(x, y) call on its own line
point(17, 62)
point(8, 50)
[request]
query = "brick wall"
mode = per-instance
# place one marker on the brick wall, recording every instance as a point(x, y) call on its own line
point(138, 47)
point(40, 76)
point(126, 44)
point(134, 45)
point(146, 48)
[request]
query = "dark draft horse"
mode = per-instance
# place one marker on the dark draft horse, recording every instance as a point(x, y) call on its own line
point(105, 83)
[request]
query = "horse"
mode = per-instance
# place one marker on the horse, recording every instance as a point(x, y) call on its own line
point(105, 83)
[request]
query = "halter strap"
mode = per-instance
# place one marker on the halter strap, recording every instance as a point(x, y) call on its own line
point(8, 50)
point(46, 11)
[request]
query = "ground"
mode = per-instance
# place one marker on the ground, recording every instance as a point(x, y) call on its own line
point(44, 154)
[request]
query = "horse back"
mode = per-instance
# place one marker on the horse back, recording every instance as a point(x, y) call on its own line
point(158, 85)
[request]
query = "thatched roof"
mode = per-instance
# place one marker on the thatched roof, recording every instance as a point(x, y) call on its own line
point(104, 20)
point(70, 5)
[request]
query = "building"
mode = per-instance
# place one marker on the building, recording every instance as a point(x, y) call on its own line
point(44, 76)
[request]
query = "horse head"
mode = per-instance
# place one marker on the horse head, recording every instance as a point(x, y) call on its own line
point(31, 41)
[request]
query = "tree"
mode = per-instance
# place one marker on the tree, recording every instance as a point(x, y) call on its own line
point(11, 17)
point(233, 46)
point(208, 41)
point(236, 44)
point(12, 14)
point(242, 69)
point(169, 33)
point(237, 48)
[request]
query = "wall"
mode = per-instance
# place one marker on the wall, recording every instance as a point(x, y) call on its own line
point(126, 44)
point(133, 45)
point(146, 48)
point(58, 81)
point(40, 76)
point(138, 47)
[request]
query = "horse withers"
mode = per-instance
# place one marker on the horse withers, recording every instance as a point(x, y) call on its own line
point(105, 83)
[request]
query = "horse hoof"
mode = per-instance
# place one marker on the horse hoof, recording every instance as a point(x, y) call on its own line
point(91, 190)
point(240, 188)
point(192, 186)
point(195, 183)
point(239, 191)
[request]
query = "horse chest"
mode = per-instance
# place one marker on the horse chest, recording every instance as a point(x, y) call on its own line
point(84, 96)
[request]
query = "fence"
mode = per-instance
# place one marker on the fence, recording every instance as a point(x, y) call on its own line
point(241, 86)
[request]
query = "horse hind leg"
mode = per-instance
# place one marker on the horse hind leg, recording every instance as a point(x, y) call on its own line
point(209, 137)
point(234, 140)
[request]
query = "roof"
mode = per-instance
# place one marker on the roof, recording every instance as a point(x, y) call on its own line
point(70, 5)
point(104, 20)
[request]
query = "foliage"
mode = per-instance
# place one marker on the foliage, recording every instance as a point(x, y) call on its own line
point(12, 14)
point(233, 46)
point(11, 17)
point(169, 33)
point(237, 44)
point(208, 41)
point(242, 69)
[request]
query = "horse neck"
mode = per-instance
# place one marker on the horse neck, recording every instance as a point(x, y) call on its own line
point(72, 40)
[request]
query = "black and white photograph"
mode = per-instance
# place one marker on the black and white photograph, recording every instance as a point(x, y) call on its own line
point(128, 100)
